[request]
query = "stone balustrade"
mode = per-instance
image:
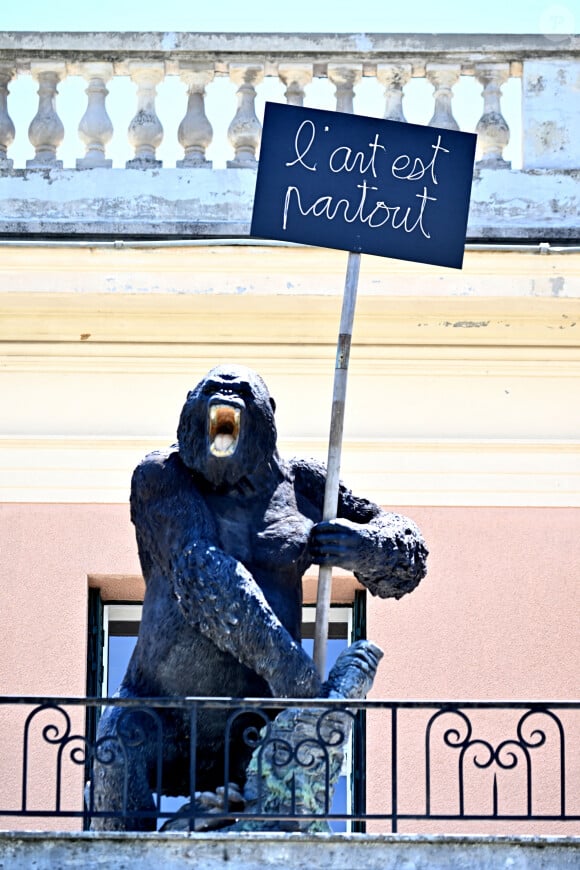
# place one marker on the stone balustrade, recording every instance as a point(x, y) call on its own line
point(211, 87)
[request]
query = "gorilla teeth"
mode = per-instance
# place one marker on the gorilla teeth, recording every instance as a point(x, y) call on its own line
point(222, 443)
point(224, 429)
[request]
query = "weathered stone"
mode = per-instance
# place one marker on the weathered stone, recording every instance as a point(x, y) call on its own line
point(492, 129)
point(541, 204)
point(261, 851)
point(394, 77)
point(195, 131)
point(245, 130)
point(46, 130)
point(95, 127)
point(551, 120)
point(344, 76)
point(443, 77)
point(524, 204)
point(145, 130)
point(7, 130)
point(296, 76)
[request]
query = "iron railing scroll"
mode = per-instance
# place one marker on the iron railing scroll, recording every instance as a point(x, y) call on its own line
point(479, 762)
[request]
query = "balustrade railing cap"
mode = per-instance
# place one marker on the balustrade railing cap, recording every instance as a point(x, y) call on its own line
point(369, 45)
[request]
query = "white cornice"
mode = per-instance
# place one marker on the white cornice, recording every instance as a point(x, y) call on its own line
point(371, 360)
point(414, 472)
point(278, 270)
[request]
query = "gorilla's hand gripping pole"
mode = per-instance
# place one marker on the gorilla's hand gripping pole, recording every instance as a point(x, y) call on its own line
point(334, 453)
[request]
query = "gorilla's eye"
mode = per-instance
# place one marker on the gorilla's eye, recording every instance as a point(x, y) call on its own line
point(224, 430)
point(245, 391)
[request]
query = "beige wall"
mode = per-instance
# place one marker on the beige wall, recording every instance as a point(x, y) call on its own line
point(459, 385)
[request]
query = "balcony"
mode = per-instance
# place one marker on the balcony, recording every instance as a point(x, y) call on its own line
point(166, 141)
point(447, 776)
point(436, 766)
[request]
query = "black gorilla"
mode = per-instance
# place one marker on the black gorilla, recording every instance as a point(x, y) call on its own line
point(225, 531)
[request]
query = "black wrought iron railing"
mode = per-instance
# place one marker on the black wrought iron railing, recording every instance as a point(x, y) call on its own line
point(451, 763)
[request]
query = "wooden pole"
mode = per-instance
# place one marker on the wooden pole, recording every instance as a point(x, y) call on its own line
point(334, 453)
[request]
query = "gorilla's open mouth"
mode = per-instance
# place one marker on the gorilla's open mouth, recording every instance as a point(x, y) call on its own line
point(224, 429)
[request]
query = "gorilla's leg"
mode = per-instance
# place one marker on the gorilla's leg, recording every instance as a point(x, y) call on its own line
point(126, 751)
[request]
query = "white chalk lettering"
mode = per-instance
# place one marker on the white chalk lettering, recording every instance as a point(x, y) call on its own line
point(301, 154)
point(402, 162)
point(349, 162)
point(327, 206)
point(379, 215)
point(404, 220)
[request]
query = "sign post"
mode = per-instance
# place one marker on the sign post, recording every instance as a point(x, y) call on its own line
point(366, 185)
point(334, 453)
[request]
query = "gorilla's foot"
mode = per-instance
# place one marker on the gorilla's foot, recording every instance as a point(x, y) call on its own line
point(208, 811)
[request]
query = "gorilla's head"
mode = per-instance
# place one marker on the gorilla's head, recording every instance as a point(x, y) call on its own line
point(227, 428)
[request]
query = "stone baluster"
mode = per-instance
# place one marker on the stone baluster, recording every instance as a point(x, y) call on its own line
point(245, 130)
point(394, 78)
point(492, 129)
point(46, 130)
point(443, 77)
point(195, 131)
point(145, 130)
point(295, 76)
point(344, 77)
point(7, 130)
point(95, 127)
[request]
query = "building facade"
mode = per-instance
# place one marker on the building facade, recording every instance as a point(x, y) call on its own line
point(121, 286)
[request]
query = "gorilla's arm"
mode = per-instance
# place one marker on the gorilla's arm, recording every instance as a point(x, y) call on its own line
point(216, 594)
point(385, 551)
point(219, 595)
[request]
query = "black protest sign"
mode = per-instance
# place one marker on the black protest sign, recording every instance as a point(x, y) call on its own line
point(363, 184)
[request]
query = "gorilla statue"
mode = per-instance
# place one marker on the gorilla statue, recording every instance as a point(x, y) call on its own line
point(225, 530)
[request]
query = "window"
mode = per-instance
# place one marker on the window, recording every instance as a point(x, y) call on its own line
point(120, 627)
point(118, 631)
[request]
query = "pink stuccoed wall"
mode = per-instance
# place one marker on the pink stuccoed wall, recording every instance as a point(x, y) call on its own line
point(48, 554)
point(498, 616)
